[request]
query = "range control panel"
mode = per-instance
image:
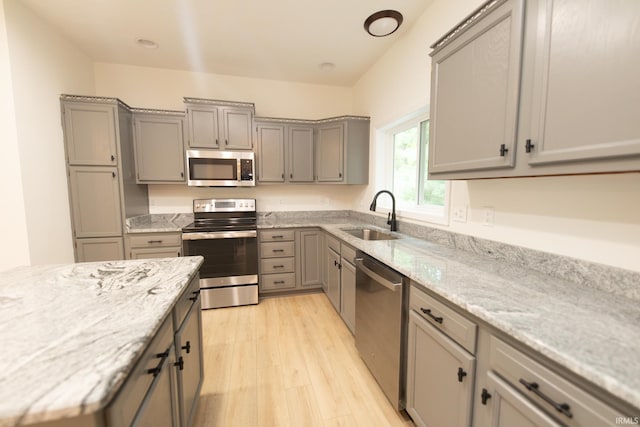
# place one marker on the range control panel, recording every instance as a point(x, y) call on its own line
point(224, 205)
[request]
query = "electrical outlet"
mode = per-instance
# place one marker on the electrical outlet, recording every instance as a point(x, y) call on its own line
point(489, 216)
point(460, 213)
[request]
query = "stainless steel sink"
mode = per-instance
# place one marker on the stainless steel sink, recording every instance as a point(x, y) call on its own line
point(368, 234)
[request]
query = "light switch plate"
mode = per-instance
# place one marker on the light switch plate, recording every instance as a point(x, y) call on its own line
point(489, 216)
point(460, 213)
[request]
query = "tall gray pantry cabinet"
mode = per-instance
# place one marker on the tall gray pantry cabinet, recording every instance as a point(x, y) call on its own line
point(101, 175)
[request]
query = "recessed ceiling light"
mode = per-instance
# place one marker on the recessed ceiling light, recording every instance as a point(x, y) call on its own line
point(383, 23)
point(146, 43)
point(327, 66)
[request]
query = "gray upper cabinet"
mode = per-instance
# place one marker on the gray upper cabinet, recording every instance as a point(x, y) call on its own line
point(537, 88)
point(300, 153)
point(270, 140)
point(159, 146)
point(330, 153)
point(584, 82)
point(342, 150)
point(219, 124)
point(90, 134)
point(475, 94)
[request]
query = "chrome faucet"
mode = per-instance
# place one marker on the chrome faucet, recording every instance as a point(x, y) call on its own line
point(391, 218)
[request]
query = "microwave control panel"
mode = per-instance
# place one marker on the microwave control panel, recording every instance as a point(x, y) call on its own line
point(246, 170)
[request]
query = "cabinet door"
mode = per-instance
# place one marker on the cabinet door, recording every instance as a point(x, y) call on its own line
point(237, 124)
point(301, 155)
point(270, 152)
point(333, 278)
point(159, 148)
point(509, 408)
point(310, 267)
point(475, 94)
point(585, 94)
point(203, 127)
point(190, 366)
point(158, 407)
point(330, 153)
point(90, 134)
point(100, 249)
point(95, 201)
point(440, 377)
point(348, 294)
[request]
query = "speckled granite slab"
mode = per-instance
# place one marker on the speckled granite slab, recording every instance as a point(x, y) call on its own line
point(71, 333)
point(590, 332)
point(158, 223)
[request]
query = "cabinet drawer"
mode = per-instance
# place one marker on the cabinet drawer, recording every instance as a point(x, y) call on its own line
point(456, 326)
point(185, 302)
point(348, 253)
point(277, 249)
point(278, 281)
point(122, 410)
point(333, 243)
point(277, 265)
point(546, 389)
point(152, 240)
point(276, 235)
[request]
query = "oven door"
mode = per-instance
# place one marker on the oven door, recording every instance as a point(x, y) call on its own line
point(230, 257)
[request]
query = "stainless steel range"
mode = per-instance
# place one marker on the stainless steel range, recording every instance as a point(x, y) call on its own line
point(224, 232)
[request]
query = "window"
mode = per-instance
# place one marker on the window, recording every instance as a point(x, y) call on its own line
point(406, 149)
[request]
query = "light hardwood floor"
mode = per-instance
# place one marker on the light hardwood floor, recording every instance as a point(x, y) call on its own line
point(288, 361)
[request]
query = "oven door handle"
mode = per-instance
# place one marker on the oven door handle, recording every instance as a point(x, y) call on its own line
point(219, 235)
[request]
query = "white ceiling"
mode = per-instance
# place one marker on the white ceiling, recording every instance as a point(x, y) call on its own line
point(270, 39)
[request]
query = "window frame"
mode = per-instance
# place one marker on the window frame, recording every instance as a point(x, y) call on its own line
point(423, 213)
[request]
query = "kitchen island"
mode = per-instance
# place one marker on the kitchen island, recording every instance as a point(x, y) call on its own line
point(73, 334)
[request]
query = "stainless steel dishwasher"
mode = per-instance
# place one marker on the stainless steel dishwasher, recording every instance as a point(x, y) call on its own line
point(381, 325)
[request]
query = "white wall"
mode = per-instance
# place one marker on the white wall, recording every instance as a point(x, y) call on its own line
point(596, 218)
point(15, 250)
point(161, 88)
point(43, 65)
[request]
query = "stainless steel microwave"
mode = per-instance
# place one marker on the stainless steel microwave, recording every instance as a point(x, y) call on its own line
point(213, 168)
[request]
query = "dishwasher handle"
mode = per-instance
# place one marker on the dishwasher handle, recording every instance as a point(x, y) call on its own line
point(375, 276)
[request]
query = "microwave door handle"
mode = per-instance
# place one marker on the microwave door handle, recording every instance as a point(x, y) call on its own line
point(219, 235)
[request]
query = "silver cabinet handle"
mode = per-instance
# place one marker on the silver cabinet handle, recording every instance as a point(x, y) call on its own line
point(378, 278)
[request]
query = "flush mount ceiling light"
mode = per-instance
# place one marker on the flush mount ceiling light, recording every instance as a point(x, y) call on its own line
point(383, 23)
point(327, 66)
point(146, 43)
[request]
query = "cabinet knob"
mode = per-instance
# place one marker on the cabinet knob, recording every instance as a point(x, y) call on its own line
point(113, 174)
point(187, 347)
point(180, 363)
point(113, 158)
point(528, 146)
point(503, 150)
point(282, 176)
point(461, 374)
point(485, 396)
point(195, 297)
point(340, 175)
point(290, 175)
point(181, 174)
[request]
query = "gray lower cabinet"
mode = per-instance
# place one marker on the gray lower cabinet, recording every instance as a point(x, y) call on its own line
point(153, 245)
point(348, 286)
point(440, 363)
point(189, 360)
point(101, 175)
point(220, 125)
point(310, 248)
point(99, 249)
point(159, 146)
point(164, 386)
point(508, 91)
point(332, 259)
point(290, 260)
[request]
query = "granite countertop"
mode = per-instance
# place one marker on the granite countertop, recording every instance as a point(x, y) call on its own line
point(72, 333)
point(587, 330)
point(158, 223)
